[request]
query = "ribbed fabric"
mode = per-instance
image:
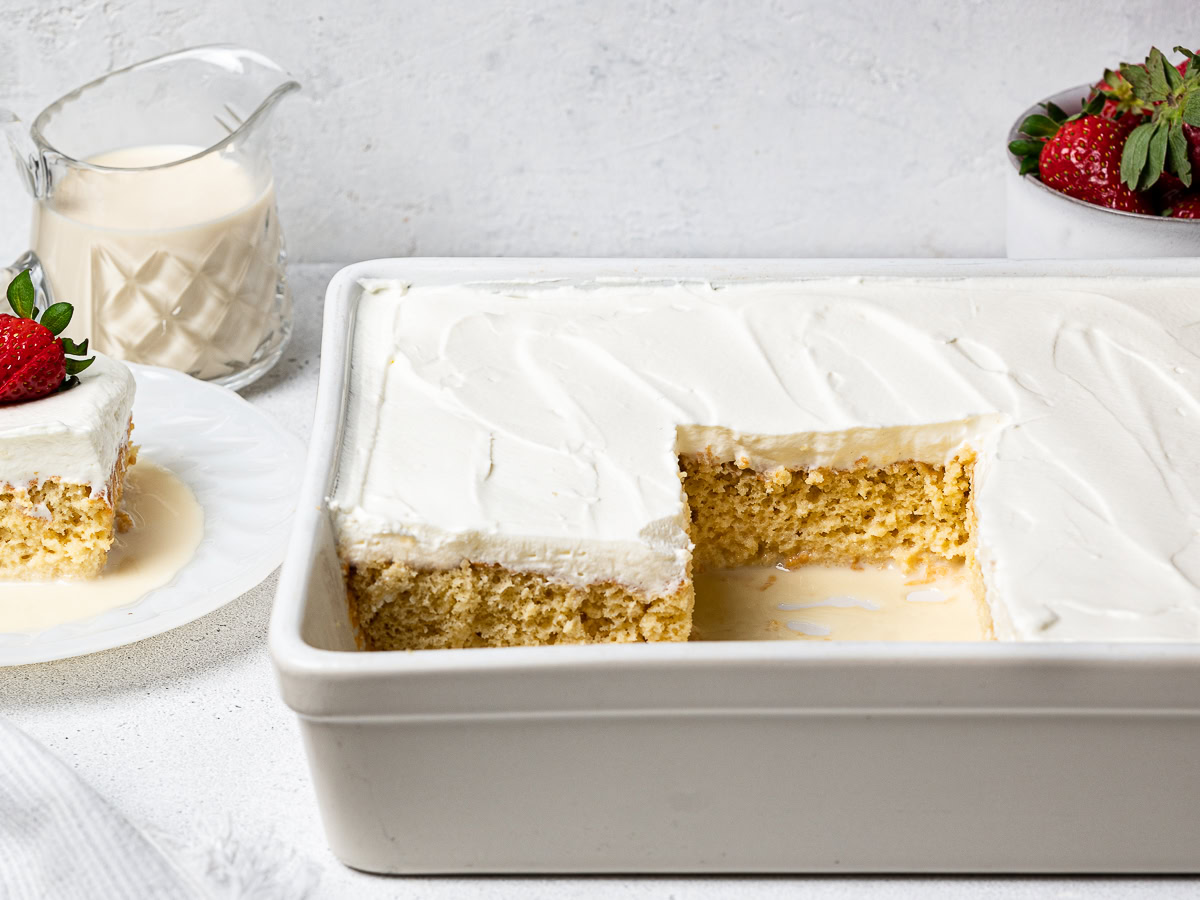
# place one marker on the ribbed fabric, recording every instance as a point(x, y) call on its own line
point(60, 839)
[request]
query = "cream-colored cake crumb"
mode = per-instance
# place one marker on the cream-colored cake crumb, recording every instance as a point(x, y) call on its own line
point(908, 512)
point(398, 607)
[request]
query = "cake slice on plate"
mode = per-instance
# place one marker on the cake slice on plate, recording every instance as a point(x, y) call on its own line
point(65, 424)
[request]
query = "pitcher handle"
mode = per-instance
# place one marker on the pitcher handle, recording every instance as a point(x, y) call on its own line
point(32, 168)
point(29, 260)
point(30, 164)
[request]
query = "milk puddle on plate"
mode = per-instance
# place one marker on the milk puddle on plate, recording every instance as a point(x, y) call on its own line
point(167, 527)
point(835, 603)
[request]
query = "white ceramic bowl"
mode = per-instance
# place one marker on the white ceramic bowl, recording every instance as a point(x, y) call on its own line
point(1042, 223)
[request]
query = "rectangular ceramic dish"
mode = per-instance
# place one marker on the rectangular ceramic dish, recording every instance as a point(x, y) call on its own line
point(734, 757)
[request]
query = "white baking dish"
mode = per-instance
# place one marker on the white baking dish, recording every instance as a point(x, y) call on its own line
point(735, 757)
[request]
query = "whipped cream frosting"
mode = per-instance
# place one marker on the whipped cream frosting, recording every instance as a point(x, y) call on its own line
point(538, 426)
point(74, 435)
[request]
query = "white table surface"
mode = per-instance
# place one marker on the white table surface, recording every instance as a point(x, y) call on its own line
point(186, 734)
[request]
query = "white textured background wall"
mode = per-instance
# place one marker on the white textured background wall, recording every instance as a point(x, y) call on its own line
point(620, 127)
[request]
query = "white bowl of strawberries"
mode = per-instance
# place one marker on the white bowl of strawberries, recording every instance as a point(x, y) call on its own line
point(1110, 170)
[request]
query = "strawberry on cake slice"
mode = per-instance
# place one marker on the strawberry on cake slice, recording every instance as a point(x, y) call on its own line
point(64, 444)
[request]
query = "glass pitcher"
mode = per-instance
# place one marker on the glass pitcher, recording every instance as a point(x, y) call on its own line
point(155, 212)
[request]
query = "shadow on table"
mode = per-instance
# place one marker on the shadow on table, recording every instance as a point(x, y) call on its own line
point(304, 349)
point(236, 630)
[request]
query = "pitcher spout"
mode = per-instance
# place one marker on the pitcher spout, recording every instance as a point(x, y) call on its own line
point(204, 97)
point(254, 88)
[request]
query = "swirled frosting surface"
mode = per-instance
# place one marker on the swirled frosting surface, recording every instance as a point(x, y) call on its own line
point(538, 427)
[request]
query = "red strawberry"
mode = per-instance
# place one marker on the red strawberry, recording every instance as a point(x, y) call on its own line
point(1168, 191)
point(33, 359)
point(1111, 107)
point(1185, 208)
point(1192, 133)
point(1083, 160)
point(32, 363)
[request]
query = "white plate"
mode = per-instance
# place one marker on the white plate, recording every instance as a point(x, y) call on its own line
point(244, 470)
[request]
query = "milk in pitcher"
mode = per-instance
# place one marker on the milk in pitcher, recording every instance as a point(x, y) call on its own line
point(177, 264)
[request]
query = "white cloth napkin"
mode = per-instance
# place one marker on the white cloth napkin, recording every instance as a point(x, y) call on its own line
point(59, 838)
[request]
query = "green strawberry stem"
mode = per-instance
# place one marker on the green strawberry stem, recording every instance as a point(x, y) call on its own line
point(22, 297)
point(1160, 144)
point(57, 317)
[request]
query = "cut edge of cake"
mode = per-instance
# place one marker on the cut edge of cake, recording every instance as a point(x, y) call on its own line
point(395, 606)
point(56, 528)
point(906, 512)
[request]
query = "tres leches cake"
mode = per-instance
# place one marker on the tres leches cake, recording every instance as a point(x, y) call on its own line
point(540, 464)
point(64, 446)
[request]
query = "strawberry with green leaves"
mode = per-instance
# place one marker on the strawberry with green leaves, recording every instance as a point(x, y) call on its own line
point(34, 360)
point(1135, 145)
point(1169, 141)
point(1080, 155)
point(1119, 96)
